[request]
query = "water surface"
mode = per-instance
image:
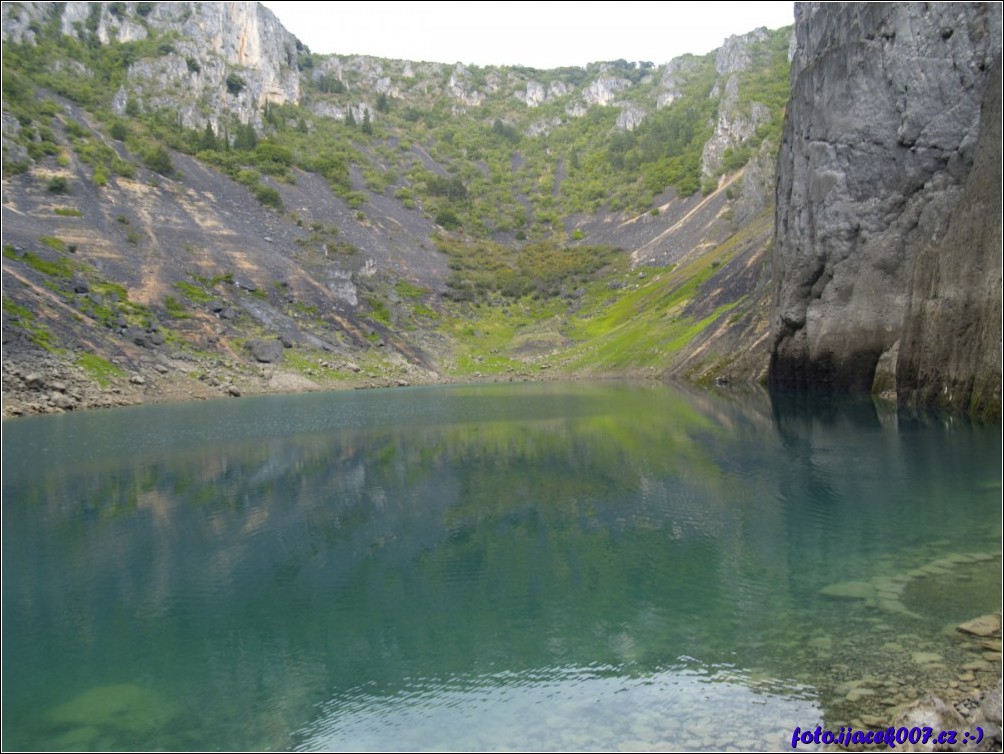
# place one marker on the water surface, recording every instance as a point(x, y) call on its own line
point(556, 566)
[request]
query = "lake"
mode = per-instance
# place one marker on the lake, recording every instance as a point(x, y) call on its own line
point(558, 566)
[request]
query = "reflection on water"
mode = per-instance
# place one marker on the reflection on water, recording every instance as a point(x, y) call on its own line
point(572, 566)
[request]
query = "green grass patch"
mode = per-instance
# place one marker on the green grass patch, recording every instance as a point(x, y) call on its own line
point(194, 293)
point(68, 212)
point(23, 317)
point(175, 309)
point(61, 268)
point(54, 243)
point(98, 369)
point(406, 289)
point(378, 310)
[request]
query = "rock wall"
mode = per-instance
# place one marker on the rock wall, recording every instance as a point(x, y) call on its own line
point(209, 42)
point(879, 144)
point(735, 123)
point(950, 351)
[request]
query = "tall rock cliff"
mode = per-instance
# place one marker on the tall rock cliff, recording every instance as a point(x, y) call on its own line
point(212, 59)
point(878, 150)
point(950, 353)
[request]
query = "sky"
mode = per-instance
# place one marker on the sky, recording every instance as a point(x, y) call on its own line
point(535, 34)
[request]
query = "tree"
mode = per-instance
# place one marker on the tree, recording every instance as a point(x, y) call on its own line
point(350, 119)
point(367, 126)
point(208, 140)
point(245, 139)
point(383, 103)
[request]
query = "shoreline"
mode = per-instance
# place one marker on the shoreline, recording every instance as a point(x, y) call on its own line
point(46, 384)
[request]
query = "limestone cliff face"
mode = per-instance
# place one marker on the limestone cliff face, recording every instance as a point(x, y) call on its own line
point(220, 58)
point(950, 352)
point(736, 122)
point(879, 144)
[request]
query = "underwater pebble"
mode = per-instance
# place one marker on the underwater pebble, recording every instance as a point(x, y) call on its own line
point(855, 694)
point(977, 665)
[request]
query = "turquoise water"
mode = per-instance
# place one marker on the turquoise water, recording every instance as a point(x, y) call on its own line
point(551, 566)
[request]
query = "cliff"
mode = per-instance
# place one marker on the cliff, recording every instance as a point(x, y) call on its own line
point(879, 144)
point(210, 60)
point(950, 352)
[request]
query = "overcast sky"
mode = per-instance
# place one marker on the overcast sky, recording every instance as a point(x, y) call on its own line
point(537, 34)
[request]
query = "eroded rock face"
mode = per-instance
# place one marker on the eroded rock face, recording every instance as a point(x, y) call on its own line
point(735, 123)
point(950, 353)
point(237, 39)
point(878, 145)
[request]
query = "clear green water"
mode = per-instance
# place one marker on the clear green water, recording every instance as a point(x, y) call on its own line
point(556, 566)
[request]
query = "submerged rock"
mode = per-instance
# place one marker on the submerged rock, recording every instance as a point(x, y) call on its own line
point(985, 625)
point(110, 717)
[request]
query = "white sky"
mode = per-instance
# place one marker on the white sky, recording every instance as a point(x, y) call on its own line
point(537, 34)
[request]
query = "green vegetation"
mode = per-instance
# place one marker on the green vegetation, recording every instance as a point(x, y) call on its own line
point(25, 319)
point(526, 186)
point(59, 267)
point(98, 369)
point(197, 293)
point(379, 310)
point(510, 185)
point(484, 270)
point(175, 309)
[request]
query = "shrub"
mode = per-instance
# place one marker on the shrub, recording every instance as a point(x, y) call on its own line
point(57, 184)
point(447, 219)
point(235, 84)
point(158, 160)
point(268, 196)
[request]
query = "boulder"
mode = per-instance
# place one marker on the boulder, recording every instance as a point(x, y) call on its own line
point(266, 351)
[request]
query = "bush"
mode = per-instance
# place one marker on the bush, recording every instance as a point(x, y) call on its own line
point(268, 196)
point(235, 84)
point(159, 161)
point(57, 185)
point(447, 219)
point(272, 158)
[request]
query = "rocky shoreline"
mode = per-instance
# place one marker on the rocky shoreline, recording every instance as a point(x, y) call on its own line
point(45, 383)
point(951, 684)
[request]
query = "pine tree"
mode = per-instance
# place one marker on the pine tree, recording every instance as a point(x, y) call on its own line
point(246, 139)
point(367, 126)
point(208, 140)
